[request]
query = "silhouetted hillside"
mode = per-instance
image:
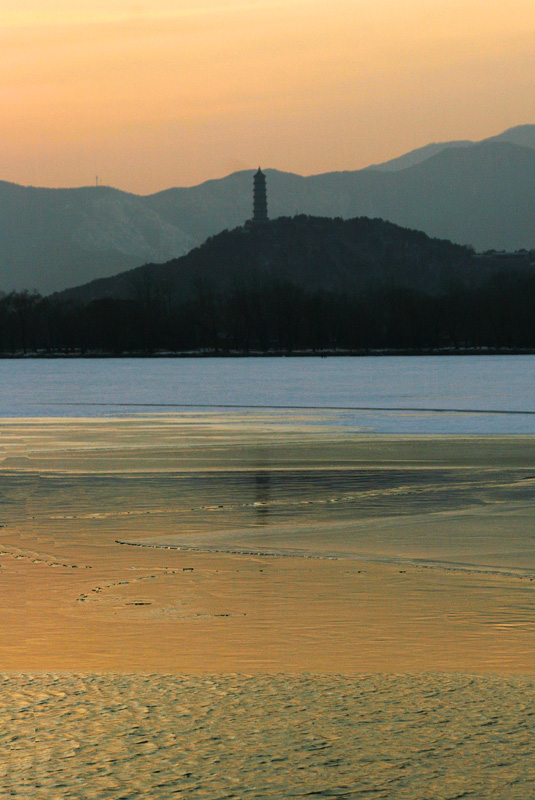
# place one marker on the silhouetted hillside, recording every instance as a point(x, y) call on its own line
point(479, 194)
point(316, 253)
point(293, 284)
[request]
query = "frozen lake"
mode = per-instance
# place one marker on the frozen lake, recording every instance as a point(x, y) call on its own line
point(412, 394)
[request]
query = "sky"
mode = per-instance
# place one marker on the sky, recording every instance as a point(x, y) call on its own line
point(149, 94)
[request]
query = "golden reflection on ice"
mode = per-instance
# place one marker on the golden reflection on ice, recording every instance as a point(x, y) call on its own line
point(263, 542)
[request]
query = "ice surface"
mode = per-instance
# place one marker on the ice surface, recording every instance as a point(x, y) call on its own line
point(419, 394)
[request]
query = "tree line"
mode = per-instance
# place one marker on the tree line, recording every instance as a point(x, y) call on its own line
point(273, 317)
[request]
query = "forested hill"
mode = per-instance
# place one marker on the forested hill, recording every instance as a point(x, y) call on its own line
point(315, 253)
point(293, 284)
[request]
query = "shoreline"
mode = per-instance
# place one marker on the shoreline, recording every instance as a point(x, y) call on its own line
point(328, 353)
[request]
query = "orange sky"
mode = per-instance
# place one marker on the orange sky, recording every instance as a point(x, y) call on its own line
point(156, 93)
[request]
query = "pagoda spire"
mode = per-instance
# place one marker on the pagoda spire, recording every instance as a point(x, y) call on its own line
point(260, 213)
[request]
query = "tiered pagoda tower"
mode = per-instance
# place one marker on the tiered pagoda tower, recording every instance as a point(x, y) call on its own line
point(260, 213)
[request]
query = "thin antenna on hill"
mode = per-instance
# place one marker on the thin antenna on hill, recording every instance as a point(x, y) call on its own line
point(96, 181)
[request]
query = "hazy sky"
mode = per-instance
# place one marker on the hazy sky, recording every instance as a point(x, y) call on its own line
point(156, 93)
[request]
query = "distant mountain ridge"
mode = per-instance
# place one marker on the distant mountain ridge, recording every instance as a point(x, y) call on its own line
point(523, 135)
point(471, 193)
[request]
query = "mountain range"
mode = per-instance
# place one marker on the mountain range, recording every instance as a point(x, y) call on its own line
point(474, 193)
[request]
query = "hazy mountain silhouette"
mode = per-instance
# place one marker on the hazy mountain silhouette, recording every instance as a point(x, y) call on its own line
point(418, 155)
point(480, 194)
point(523, 135)
point(53, 238)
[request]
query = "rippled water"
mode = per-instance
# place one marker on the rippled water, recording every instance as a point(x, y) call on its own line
point(392, 737)
point(419, 394)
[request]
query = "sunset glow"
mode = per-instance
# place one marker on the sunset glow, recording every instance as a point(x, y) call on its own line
point(151, 95)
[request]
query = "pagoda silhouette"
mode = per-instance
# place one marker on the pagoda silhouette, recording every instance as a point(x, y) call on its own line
point(260, 209)
point(260, 212)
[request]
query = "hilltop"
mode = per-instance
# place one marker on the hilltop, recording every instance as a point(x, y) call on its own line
point(316, 253)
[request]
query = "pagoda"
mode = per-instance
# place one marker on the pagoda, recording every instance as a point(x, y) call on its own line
point(260, 213)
